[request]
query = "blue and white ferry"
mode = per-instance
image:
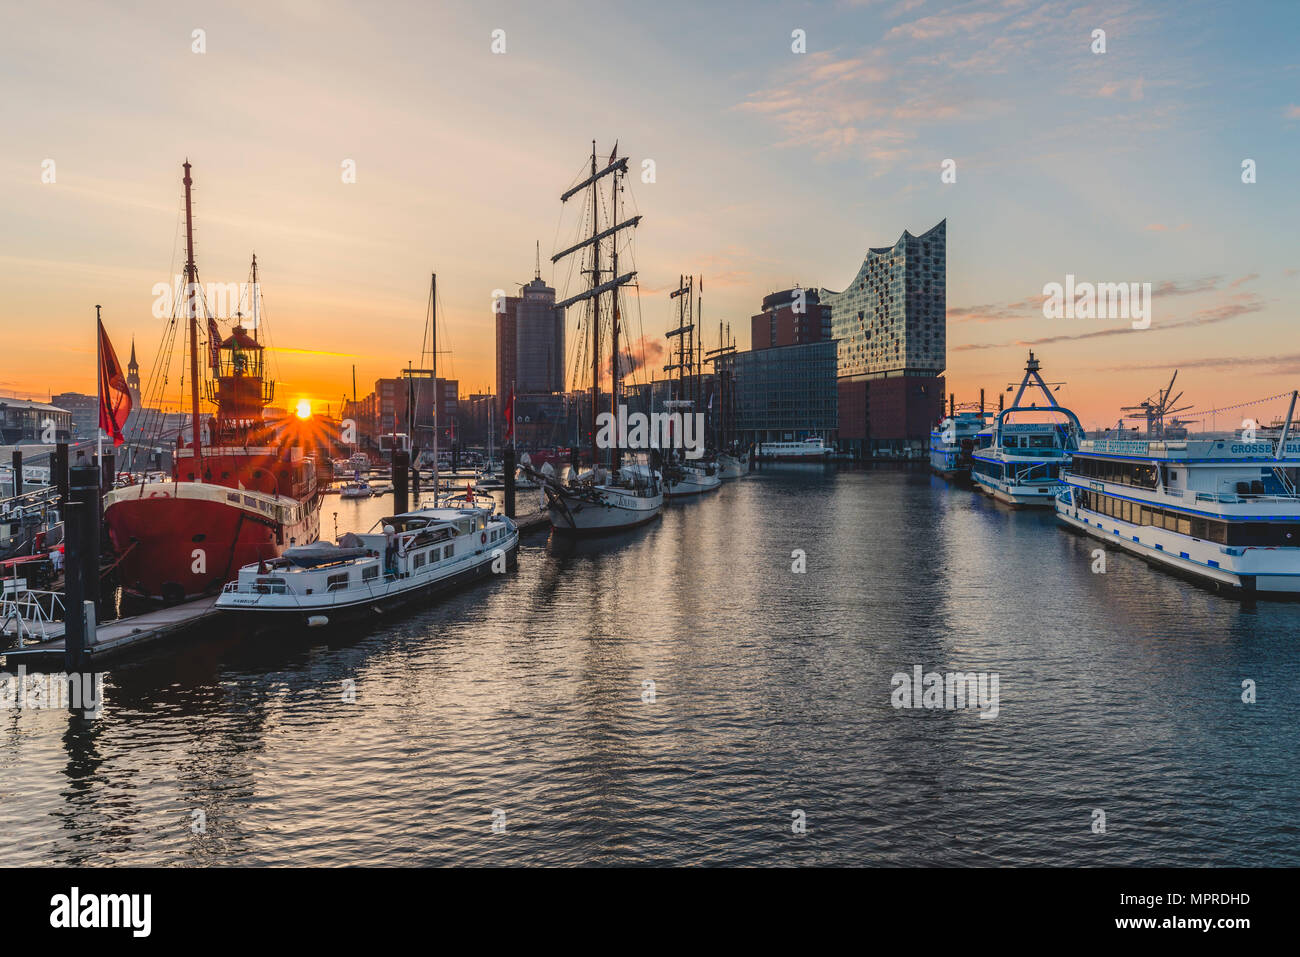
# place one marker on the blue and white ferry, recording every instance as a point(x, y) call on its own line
point(1220, 510)
point(952, 443)
point(1020, 463)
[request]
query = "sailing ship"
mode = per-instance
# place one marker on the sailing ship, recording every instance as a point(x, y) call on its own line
point(610, 496)
point(1021, 463)
point(731, 458)
point(245, 495)
point(684, 477)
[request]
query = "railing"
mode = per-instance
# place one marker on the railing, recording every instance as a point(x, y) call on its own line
point(26, 608)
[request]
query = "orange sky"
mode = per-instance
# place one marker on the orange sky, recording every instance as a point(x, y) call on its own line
point(772, 169)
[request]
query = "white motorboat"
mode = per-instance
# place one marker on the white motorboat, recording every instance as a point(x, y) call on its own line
point(404, 559)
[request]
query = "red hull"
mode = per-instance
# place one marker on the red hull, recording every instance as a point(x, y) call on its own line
point(175, 549)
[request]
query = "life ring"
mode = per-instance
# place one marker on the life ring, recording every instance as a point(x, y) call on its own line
point(482, 538)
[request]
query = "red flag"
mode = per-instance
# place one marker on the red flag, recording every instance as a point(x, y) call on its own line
point(214, 345)
point(114, 396)
point(510, 416)
point(613, 154)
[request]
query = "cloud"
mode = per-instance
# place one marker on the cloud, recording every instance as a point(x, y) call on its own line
point(1257, 365)
point(1242, 304)
point(1293, 112)
point(996, 312)
point(1163, 228)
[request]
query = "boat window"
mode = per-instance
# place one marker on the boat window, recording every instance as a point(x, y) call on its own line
point(270, 586)
point(337, 582)
point(369, 572)
point(420, 559)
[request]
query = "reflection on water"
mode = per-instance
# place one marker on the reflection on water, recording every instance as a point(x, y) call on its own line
point(1119, 691)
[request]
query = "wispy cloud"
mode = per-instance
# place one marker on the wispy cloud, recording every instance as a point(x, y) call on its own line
point(1241, 304)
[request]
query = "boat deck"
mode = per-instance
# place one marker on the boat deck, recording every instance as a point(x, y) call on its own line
point(115, 638)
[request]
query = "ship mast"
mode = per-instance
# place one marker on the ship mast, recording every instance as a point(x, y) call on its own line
point(191, 288)
point(433, 345)
point(613, 347)
point(595, 303)
point(597, 288)
point(256, 320)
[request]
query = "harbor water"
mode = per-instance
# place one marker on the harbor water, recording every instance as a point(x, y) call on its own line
point(682, 694)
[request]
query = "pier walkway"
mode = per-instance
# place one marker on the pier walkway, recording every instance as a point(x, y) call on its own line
point(113, 638)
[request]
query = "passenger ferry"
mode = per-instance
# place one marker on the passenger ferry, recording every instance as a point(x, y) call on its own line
point(803, 450)
point(403, 559)
point(1021, 463)
point(953, 442)
point(1219, 510)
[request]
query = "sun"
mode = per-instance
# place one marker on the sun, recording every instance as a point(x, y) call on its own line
point(304, 409)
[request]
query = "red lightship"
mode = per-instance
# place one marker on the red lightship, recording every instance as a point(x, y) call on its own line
point(245, 496)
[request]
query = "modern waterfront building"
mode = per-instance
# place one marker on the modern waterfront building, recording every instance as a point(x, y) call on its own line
point(890, 325)
point(785, 393)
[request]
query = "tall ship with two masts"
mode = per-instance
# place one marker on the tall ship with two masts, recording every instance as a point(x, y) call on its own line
point(1020, 462)
point(683, 476)
point(245, 494)
point(612, 495)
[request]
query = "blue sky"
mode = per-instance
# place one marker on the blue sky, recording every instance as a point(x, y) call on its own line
point(772, 167)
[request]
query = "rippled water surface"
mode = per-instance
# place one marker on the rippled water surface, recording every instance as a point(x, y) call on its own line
point(1118, 691)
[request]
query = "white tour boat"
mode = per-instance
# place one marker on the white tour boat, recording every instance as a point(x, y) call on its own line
point(1224, 511)
point(403, 559)
point(1020, 463)
point(802, 450)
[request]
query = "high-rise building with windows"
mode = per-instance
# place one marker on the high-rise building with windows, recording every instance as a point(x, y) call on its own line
point(539, 340)
point(890, 324)
point(530, 343)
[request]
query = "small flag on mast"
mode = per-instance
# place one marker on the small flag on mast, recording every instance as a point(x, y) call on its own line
point(510, 416)
point(114, 396)
point(214, 345)
point(613, 154)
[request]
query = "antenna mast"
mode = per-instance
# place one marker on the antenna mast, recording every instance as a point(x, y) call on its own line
point(193, 308)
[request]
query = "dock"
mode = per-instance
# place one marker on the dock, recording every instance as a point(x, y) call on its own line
point(115, 638)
